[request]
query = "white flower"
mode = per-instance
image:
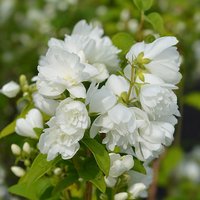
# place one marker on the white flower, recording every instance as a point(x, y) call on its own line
point(121, 196)
point(119, 124)
point(117, 84)
point(100, 100)
point(18, 171)
point(10, 89)
point(94, 51)
point(60, 70)
point(150, 136)
point(118, 165)
point(164, 60)
point(158, 101)
point(33, 119)
point(46, 105)
point(16, 150)
point(138, 183)
point(65, 130)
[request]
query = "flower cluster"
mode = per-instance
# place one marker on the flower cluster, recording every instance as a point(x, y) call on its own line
point(80, 90)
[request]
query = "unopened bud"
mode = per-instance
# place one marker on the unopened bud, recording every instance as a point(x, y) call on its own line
point(16, 150)
point(57, 171)
point(18, 171)
point(27, 162)
point(26, 148)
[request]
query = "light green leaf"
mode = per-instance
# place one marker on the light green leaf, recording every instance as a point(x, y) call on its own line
point(32, 192)
point(123, 41)
point(138, 4)
point(143, 4)
point(193, 99)
point(38, 131)
point(172, 158)
point(147, 4)
point(100, 154)
point(9, 129)
point(156, 21)
point(39, 167)
point(138, 166)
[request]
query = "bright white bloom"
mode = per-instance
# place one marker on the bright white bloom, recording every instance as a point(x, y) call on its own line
point(26, 148)
point(121, 196)
point(101, 100)
point(18, 171)
point(119, 124)
point(46, 105)
point(10, 89)
point(117, 84)
point(94, 51)
point(33, 119)
point(65, 130)
point(150, 136)
point(163, 56)
point(138, 183)
point(60, 70)
point(118, 165)
point(158, 101)
point(57, 171)
point(16, 150)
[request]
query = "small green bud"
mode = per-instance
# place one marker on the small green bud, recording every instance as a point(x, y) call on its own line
point(124, 96)
point(141, 76)
point(27, 162)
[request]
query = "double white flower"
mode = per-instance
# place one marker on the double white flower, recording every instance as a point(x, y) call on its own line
point(65, 130)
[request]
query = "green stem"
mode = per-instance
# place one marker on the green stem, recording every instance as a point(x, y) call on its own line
point(131, 83)
point(140, 28)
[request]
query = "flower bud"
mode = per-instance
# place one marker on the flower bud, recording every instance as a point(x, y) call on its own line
point(121, 196)
point(27, 162)
point(57, 171)
point(18, 171)
point(26, 148)
point(16, 150)
point(10, 89)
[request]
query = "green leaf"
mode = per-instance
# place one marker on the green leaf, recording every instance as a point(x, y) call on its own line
point(172, 158)
point(123, 41)
point(193, 99)
point(156, 21)
point(38, 131)
point(32, 192)
point(138, 166)
point(69, 180)
point(100, 154)
point(39, 167)
point(10, 128)
point(89, 171)
point(147, 4)
point(143, 4)
point(138, 4)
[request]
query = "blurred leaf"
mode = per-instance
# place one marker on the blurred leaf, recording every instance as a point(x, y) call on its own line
point(143, 4)
point(123, 41)
point(69, 180)
point(193, 99)
point(32, 192)
point(172, 158)
point(9, 129)
point(156, 21)
point(89, 171)
point(38, 168)
point(38, 131)
point(138, 166)
point(149, 38)
point(100, 154)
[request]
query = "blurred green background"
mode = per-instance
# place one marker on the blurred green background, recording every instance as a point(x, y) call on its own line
point(27, 25)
